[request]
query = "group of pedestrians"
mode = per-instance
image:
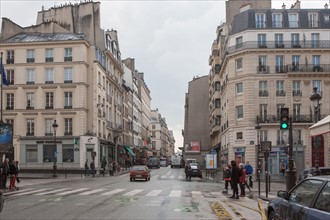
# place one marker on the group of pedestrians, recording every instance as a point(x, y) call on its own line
point(10, 170)
point(236, 176)
point(113, 167)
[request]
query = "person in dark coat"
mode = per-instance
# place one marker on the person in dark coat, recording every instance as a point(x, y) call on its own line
point(234, 179)
point(4, 173)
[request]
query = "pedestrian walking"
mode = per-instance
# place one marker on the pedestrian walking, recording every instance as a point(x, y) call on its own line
point(13, 173)
point(234, 179)
point(110, 167)
point(103, 165)
point(249, 171)
point(242, 180)
point(92, 165)
point(18, 169)
point(86, 171)
point(282, 168)
point(227, 178)
point(5, 173)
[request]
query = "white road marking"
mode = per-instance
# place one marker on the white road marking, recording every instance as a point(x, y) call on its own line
point(52, 191)
point(71, 192)
point(133, 192)
point(30, 192)
point(112, 192)
point(154, 193)
point(18, 191)
point(163, 176)
point(92, 191)
point(175, 193)
point(172, 177)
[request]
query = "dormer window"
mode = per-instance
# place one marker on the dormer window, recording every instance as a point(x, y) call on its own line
point(260, 20)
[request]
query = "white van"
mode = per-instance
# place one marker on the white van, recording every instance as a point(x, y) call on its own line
point(163, 162)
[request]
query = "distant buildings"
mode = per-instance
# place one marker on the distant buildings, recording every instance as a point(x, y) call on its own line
point(263, 60)
point(66, 68)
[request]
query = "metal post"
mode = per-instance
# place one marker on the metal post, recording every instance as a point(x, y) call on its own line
point(55, 125)
point(258, 127)
point(291, 174)
point(266, 172)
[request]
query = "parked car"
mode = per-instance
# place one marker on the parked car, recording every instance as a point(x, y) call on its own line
point(305, 174)
point(323, 171)
point(309, 199)
point(194, 171)
point(2, 201)
point(139, 172)
point(153, 162)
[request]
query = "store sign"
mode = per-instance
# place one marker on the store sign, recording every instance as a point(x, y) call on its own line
point(49, 142)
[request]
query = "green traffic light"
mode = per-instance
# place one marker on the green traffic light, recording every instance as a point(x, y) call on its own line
point(284, 126)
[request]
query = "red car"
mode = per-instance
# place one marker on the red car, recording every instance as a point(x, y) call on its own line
point(139, 172)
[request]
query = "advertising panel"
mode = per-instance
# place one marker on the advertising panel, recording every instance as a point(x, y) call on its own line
point(6, 137)
point(211, 161)
point(192, 147)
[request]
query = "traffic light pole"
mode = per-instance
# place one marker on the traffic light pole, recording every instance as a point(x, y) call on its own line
point(291, 173)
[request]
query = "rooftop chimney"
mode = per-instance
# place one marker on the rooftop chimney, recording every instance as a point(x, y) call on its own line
point(283, 6)
point(326, 6)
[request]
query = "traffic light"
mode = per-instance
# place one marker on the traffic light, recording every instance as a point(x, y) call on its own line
point(284, 118)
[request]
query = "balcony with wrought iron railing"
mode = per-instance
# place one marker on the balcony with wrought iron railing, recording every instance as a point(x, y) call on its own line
point(264, 119)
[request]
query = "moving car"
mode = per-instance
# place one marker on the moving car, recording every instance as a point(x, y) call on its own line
point(309, 199)
point(139, 172)
point(193, 170)
point(163, 162)
point(153, 162)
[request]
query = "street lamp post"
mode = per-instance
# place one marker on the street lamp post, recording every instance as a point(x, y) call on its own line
point(315, 98)
point(258, 127)
point(55, 125)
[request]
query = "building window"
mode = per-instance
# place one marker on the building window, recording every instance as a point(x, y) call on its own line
point(280, 137)
point(29, 127)
point(263, 112)
point(277, 20)
point(68, 151)
point(279, 64)
point(49, 100)
point(153, 134)
point(263, 88)
point(239, 136)
point(49, 126)
point(217, 86)
point(11, 76)
point(153, 126)
point(296, 91)
point(293, 20)
point(279, 41)
point(296, 111)
point(67, 54)
point(68, 126)
point(295, 62)
point(260, 20)
point(30, 100)
point(49, 55)
point(49, 152)
point(316, 63)
point(315, 40)
point(67, 100)
point(68, 75)
point(317, 84)
point(49, 72)
point(279, 107)
point(217, 103)
point(313, 20)
point(262, 64)
point(10, 121)
point(262, 41)
point(153, 145)
point(31, 154)
point(239, 42)
point(326, 18)
point(239, 111)
point(218, 120)
point(280, 88)
point(263, 135)
point(30, 76)
point(239, 88)
point(239, 63)
point(10, 57)
point(295, 41)
point(30, 56)
point(10, 101)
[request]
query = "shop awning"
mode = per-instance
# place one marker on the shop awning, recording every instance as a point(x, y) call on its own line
point(321, 127)
point(130, 151)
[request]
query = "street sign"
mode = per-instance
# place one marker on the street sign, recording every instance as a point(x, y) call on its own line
point(213, 152)
point(266, 145)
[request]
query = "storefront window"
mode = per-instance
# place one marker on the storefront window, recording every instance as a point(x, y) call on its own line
point(49, 153)
point(31, 153)
point(68, 153)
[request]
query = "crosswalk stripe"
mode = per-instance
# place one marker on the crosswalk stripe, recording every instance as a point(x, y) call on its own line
point(112, 192)
point(133, 192)
point(163, 176)
point(30, 192)
point(216, 193)
point(15, 192)
point(71, 192)
point(175, 193)
point(172, 177)
point(154, 193)
point(52, 191)
point(91, 192)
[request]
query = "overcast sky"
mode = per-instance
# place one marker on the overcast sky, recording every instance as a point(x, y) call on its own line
point(170, 41)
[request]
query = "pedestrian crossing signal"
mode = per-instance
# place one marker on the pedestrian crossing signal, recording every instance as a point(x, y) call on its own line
point(284, 120)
